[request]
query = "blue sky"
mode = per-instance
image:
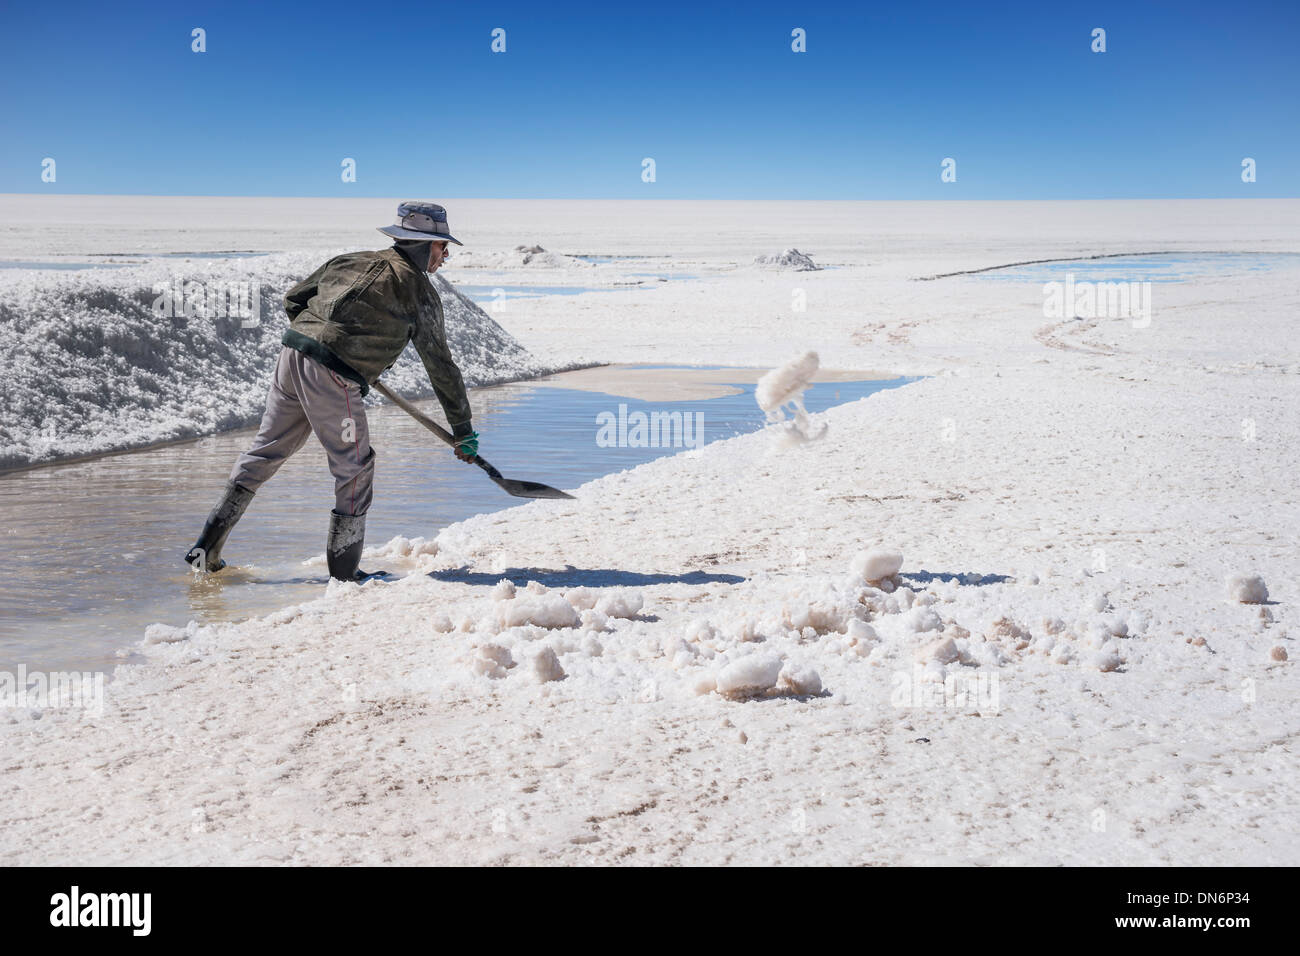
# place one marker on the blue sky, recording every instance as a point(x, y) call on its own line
point(413, 93)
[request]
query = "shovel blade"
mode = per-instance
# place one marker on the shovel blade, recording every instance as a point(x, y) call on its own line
point(529, 489)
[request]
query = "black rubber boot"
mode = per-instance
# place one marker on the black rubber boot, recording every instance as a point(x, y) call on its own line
point(343, 546)
point(206, 553)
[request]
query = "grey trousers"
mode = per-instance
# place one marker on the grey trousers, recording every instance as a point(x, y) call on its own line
point(307, 397)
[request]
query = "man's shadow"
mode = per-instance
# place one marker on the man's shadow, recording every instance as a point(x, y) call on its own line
point(571, 577)
point(963, 578)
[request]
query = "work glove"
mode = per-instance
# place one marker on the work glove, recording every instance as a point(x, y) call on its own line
point(467, 447)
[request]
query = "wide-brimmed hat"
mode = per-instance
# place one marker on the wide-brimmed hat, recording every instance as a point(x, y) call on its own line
point(421, 220)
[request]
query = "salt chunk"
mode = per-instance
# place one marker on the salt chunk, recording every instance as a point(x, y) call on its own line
point(166, 634)
point(748, 676)
point(625, 604)
point(546, 666)
point(1007, 630)
point(582, 598)
point(700, 630)
point(943, 650)
point(784, 384)
point(921, 620)
point(544, 610)
point(497, 653)
point(493, 660)
point(704, 684)
point(860, 632)
point(1247, 589)
point(486, 668)
point(1107, 659)
point(1116, 626)
point(674, 644)
point(803, 681)
point(876, 565)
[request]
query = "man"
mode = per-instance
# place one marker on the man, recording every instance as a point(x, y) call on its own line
point(348, 322)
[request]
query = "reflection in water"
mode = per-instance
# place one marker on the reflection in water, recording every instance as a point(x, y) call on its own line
point(91, 551)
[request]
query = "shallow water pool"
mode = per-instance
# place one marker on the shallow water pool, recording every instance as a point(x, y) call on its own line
point(484, 294)
point(1159, 267)
point(92, 550)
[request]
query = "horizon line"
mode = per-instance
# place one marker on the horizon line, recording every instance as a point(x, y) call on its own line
point(767, 199)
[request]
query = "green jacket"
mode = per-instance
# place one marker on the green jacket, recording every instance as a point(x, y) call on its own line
point(357, 312)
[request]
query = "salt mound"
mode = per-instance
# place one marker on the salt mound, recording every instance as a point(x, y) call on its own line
point(91, 366)
point(536, 256)
point(1247, 589)
point(523, 256)
point(791, 260)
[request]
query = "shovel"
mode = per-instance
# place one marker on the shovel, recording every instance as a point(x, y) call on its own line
point(511, 486)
